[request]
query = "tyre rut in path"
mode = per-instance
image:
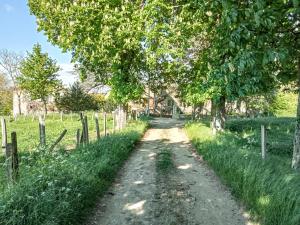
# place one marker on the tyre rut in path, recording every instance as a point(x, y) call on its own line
point(189, 195)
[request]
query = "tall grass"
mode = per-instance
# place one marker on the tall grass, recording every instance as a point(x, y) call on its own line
point(59, 187)
point(270, 189)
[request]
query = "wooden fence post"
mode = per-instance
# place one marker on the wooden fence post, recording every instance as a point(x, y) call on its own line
point(4, 134)
point(8, 161)
point(78, 138)
point(263, 141)
point(83, 134)
point(86, 129)
point(97, 125)
point(61, 116)
point(14, 157)
point(104, 124)
point(42, 131)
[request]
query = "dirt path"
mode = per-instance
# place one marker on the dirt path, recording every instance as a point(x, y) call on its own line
point(188, 195)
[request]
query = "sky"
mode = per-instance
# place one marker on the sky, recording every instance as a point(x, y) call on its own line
point(18, 32)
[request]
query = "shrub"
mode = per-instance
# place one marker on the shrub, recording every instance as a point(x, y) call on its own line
point(75, 99)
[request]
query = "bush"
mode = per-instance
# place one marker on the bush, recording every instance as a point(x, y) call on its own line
point(58, 188)
point(75, 99)
point(270, 189)
point(285, 104)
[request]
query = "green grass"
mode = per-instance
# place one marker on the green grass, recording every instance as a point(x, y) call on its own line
point(279, 134)
point(61, 187)
point(28, 129)
point(28, 133)
point(270, 189)
point(164, 162)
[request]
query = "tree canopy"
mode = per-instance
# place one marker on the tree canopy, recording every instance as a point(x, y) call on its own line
point(39, 75)
point(119, 41)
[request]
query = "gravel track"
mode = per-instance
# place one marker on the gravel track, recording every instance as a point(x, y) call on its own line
point(190, 194)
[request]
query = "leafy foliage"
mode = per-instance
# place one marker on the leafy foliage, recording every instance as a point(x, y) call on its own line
point(75, 99)
point(244, 45)
point(105, 103)
point(285, 104)
point(39, 76)
point(122, 42)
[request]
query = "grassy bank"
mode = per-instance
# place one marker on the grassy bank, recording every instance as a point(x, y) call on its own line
point(269, 189)
point(59, 188)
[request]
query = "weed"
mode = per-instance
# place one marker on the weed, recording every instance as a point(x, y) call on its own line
point(164, 161)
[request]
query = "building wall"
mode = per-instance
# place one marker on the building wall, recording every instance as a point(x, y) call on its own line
point(23, 105)
point(31, 106)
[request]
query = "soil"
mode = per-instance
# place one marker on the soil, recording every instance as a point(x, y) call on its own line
point(191, 194)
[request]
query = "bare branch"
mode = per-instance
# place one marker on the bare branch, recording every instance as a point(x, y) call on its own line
point(10, 65)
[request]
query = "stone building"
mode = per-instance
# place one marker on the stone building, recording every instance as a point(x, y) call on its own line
point(28, 106)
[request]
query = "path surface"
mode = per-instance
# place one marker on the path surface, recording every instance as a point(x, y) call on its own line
point(190, 195)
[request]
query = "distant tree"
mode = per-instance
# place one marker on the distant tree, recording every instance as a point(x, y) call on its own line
point(39, 75)
point(6, 93)
point(75, 99)
point(10, 65)
point(100, 100)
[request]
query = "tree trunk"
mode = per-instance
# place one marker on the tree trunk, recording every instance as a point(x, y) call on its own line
point(200, 109)
point(194, 112)
point(45, 107)
point(296, 151)
point(155, 104)
point(218, 112)
point(148, 110)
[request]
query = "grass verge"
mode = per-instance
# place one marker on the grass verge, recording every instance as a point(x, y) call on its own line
point(60, 188)
point(270, 188)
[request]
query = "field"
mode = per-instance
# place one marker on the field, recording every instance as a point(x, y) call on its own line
point(27, 129)
point(270, 188)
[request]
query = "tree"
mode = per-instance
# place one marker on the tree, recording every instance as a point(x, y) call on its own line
point(254, 47)
point(107, 42)
point(6, 93)
point(247, 48)
point(39, 76)
point(75, 99)
point(118, 41)
point(10, 65)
